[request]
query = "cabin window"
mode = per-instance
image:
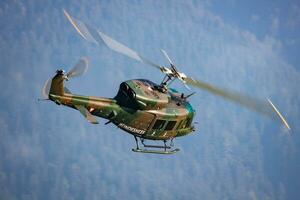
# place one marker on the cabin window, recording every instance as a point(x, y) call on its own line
point(159, 124)
point(170, 125)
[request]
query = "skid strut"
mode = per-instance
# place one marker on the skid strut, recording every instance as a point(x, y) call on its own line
point(153, 148)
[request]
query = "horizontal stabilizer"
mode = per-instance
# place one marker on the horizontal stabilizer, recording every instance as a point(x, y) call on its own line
point(86, 114)
point(84, 111)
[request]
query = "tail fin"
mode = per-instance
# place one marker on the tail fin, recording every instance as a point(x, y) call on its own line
point(57, 84)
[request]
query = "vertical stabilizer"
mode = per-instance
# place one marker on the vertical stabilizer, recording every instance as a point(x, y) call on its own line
point(57, 83)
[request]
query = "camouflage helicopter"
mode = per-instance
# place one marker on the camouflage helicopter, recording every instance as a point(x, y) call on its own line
point(147, 110)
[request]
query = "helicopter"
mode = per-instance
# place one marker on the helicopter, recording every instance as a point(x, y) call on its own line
point(142, 108)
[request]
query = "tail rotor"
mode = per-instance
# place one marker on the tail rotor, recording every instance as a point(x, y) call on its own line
point(79, 69)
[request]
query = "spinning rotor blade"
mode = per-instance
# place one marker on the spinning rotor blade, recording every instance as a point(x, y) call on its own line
point(230, 95)
point(168, 58)
point(46, 89)
point(260, 106)
point(79, 69)
point(93, 35)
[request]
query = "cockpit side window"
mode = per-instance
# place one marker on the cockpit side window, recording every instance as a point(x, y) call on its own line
point(179, 124)
point(186, 123)
point(170, 125)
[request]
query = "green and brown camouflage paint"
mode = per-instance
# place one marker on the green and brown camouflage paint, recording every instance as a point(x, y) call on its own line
point(135, 109)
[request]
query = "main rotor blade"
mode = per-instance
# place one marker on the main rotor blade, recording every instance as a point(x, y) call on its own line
point(260, 106)
point(93, 35)
point(166, 55)
point(79, 69)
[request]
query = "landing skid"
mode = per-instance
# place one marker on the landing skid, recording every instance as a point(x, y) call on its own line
point(153, 148)
point(155, 151)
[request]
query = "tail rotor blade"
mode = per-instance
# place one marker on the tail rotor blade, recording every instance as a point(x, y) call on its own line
point(79, 69)
point(46, 89)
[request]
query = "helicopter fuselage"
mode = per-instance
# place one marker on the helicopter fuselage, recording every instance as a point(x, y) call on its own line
point(141, 108)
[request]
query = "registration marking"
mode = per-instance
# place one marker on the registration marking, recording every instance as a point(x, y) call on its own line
point(132, 129)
